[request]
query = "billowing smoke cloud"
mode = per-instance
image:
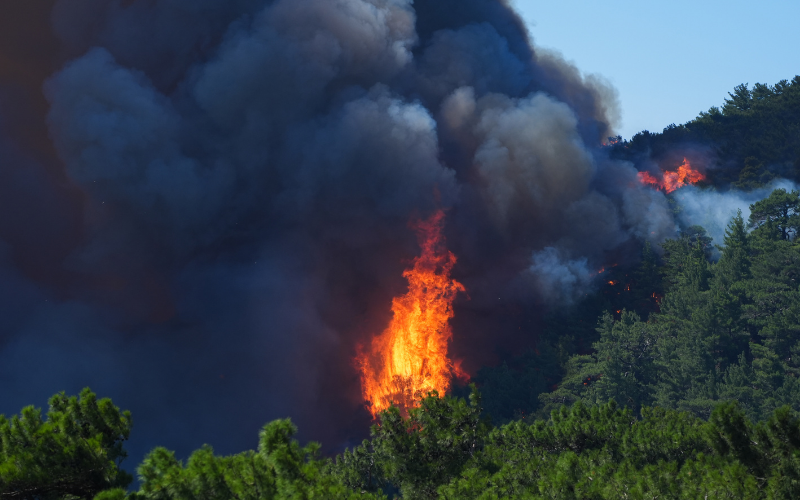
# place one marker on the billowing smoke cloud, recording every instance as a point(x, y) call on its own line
point(219, 213)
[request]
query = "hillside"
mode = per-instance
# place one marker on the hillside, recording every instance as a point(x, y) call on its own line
point(679, 377)
point(751, 139)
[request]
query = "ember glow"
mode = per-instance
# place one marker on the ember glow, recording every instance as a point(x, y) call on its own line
point(409, 359)
point(673, 180)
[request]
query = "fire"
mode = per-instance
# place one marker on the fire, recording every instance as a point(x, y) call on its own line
point(646, 178)
point(673, 180)
point(409, 359)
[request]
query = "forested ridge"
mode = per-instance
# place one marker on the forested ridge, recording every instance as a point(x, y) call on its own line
point(678, 378)
point(751, 139)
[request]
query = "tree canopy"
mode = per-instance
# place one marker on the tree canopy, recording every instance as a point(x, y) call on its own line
point(76, 451)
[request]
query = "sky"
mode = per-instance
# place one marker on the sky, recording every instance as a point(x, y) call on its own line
point(670, 60)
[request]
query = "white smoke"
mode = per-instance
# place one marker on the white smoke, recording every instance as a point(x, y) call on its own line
point(713, 210)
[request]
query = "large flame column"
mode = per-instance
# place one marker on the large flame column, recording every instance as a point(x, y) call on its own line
point(409, 359)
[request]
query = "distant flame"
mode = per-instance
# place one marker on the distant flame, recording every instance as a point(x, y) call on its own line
point(645, 178)
point(673, 180)
point(409, 359)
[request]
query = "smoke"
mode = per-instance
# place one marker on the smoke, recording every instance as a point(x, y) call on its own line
point(713, 210)
point(210, 210)
point(647, 213)
point(559, 281)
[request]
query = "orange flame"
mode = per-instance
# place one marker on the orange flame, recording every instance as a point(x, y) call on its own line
point(646, 178)
point(409, 359)
point(673, 180)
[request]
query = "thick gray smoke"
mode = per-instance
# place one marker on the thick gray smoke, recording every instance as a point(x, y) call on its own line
point(223, 212)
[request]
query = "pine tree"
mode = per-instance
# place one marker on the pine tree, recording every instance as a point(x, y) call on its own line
point(781, 208)
point(647, 289)
point(75, 452)
point(734, 264)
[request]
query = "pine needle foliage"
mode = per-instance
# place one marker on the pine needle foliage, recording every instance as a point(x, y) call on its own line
point(73, 452)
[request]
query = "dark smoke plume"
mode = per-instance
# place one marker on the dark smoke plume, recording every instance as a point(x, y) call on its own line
point(206, 202)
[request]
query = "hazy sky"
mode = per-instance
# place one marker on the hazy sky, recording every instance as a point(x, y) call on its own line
point(670, 60)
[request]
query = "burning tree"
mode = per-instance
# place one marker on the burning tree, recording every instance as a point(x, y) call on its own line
point(409, 359)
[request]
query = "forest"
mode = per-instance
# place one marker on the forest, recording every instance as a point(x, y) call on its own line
point(677, 378)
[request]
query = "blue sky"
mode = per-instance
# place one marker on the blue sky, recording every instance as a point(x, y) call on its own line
point(670, 60)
